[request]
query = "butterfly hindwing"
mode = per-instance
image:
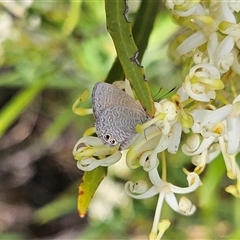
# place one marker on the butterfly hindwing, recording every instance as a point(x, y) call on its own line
point(119, 123)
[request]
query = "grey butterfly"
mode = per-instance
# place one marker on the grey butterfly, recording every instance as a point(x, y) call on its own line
point(116, 115)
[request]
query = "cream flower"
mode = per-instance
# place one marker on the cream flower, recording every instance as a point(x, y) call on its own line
point(211, 126)
point(221, 11)
point(142, 147)
point(163, 132)
point(220, 131)
point(91, 153)
point(220, 54)
point(233, 127)
point(205, 26)
point(184, 8)
point(166, 192)
point(202, 81)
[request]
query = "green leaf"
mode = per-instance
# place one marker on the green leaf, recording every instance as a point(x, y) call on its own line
point(88, 187)
point(141, 32)
point(60, 124)
point(63, 204)
point(19, 103)
point(12, 236)
point(127, 51)
point(212, 177)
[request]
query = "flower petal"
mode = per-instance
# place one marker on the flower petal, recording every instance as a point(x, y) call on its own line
point(194, 41)
point(233, 125)
point(149, 193)
point(186, 207)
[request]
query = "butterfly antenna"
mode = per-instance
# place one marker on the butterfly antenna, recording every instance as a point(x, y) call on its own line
point(165, 93)
point(159, 90)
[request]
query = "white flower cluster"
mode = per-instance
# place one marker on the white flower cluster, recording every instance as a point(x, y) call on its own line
point(158, 135)
point(211, 43)
point(200, 109)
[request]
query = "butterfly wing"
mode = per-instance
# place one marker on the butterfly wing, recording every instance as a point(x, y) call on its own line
point(116, 125)
point(105, 95)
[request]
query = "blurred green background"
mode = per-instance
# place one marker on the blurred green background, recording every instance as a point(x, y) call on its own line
point(49, 53)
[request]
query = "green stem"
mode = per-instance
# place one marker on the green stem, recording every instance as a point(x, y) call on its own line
point(128, 53)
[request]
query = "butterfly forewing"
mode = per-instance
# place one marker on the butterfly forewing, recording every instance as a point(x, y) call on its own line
point(105, 95)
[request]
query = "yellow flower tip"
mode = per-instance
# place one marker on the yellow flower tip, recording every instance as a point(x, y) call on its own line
point(99, 151)
point(81, 111)
point(159, 116)
point(85, 152)
point(186, 120)
point(224, 25)
point(131, 160)
point(199, 169)
point(82, 98)
point(104, 150)
point(231, 175)
point(163, 225)
point(194, 79)
point(205, 19)
point(217, 84)
point(112, 149)
point(185, 171)
point(89, 131)
point(139, 128)
point(233, 190)
point(152, 236)
point(218, 128)
point(176, 99)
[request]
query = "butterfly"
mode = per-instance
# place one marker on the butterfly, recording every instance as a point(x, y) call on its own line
point(116, 115)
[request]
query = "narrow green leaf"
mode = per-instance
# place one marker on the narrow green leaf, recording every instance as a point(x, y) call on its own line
point(19, 103)
point(88, 187)
point(121, 33)
point(143, 24)
point(72, 18)
point(60, 206)
point(141, 32)
point(58, 126)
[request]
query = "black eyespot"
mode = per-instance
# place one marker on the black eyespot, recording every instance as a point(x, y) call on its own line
point(106, 137)
point(113, 142)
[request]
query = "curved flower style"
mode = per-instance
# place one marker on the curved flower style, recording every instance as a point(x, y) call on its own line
point(185, 8)
point(202, 81)
point(223, 122)
point(166, 192)
point(94, 154)
point(161, 133)
point(219, 131)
